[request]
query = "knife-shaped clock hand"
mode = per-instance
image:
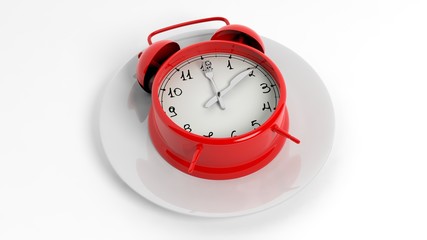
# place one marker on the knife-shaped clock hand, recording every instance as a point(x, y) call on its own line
point(238, 78)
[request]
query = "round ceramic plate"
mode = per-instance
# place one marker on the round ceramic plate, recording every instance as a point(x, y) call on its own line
point(125, 138)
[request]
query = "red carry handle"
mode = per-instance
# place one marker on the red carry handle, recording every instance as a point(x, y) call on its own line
point(186, 24)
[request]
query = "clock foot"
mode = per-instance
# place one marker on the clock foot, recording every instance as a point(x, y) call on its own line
point(195, 158)
point(285, 134)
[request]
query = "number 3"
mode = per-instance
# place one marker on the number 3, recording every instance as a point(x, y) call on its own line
point(265, 86)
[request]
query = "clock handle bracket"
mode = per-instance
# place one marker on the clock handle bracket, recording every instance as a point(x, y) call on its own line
point(165, 29)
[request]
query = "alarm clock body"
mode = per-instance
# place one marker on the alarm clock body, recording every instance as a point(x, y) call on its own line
point(218, 110)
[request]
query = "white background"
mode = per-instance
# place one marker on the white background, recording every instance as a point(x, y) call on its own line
point(56, 57)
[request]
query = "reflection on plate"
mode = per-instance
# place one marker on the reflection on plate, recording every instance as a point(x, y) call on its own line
point(124, 135)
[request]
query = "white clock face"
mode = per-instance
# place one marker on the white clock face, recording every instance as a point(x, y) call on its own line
point(219, 95)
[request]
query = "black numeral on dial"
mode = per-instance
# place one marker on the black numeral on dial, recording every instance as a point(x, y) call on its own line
point(175, 92)
point(172, 111)
point(265, 87)
point(266, 106)
point(185, 76)
point(252, 74)
point(255, 124)
point(187, 127)
point(229, 65)
point(210, 134)
point(206, 66)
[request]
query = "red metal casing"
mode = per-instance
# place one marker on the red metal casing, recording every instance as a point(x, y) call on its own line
point(218, 158)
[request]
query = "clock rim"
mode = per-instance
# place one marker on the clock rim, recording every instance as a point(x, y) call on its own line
point(219, 46)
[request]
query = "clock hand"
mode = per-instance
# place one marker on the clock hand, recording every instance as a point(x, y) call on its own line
point(209, 75)
point(239, 77)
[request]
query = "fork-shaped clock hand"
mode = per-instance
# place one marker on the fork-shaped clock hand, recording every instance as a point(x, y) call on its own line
point(239, 77)
point(210, 75)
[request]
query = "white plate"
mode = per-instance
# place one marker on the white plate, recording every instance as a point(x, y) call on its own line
point(124, 135)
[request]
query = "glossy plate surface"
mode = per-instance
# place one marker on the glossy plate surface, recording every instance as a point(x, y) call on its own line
point(125, 138)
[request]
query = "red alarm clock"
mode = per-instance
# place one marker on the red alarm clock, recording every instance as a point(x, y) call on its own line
point(218, 106)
